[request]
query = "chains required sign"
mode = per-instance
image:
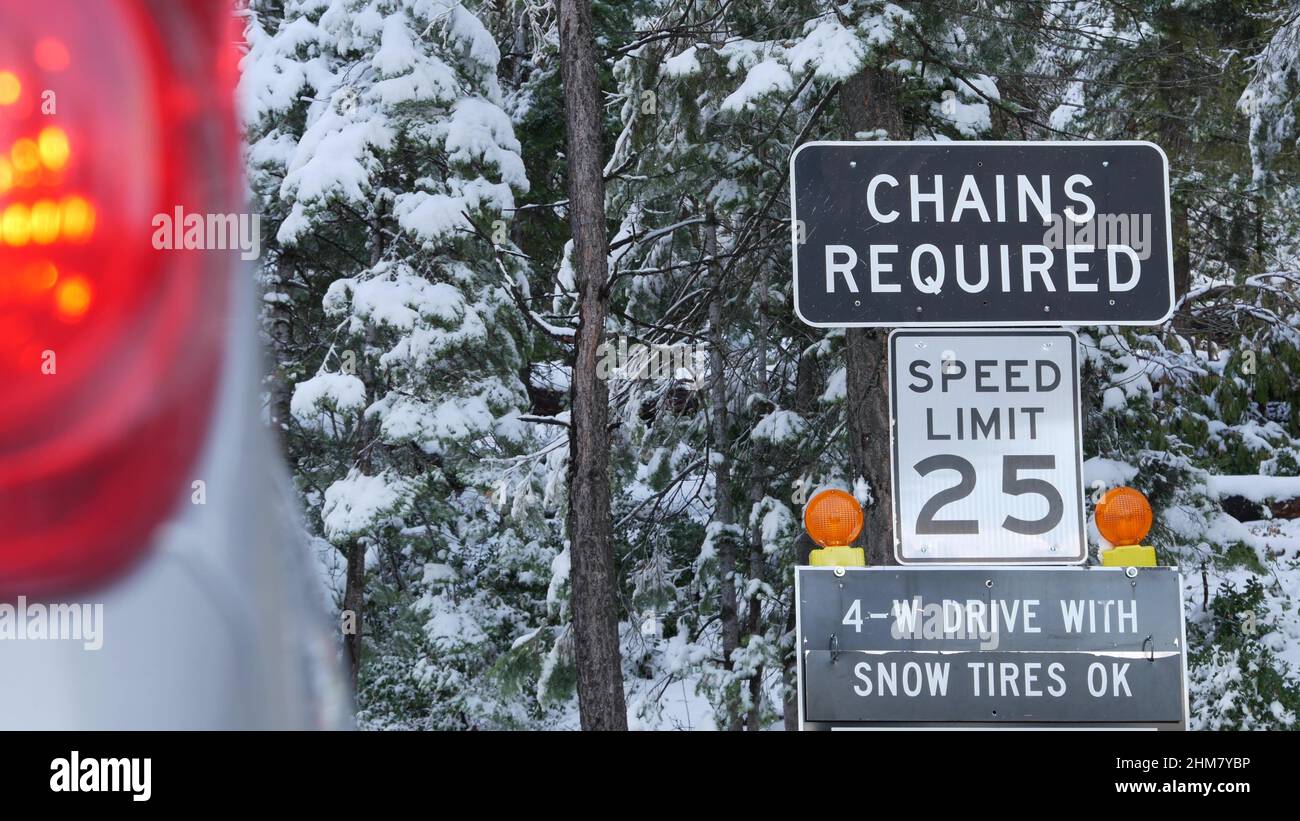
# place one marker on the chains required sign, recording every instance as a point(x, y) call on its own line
point(978, 233)
point(987, 454)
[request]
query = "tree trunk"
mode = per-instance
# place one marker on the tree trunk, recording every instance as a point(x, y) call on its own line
point(1182, 250)
point(788, 680)
point(724, 514)
point(869, 101)
point(279, 318)
point(1175, 139)
point(758, 463)
point(805, 401)
point(354, 590)
point(354, 601)
point(601, 702)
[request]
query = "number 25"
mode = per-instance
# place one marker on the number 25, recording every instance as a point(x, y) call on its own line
point(1012, 485)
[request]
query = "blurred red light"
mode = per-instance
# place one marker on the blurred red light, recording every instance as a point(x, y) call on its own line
point(109, 349)
point(51, 54)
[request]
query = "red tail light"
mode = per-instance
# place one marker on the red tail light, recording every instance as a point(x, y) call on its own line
point(111, 112)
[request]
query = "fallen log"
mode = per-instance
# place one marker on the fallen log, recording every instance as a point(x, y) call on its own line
point(1249, 498)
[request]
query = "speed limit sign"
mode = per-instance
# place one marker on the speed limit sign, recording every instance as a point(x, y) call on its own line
point(987, 454)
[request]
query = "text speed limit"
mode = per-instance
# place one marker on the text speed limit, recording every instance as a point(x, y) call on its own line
point(987, 459)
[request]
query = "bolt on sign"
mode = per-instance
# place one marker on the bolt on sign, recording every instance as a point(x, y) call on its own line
point(981, 233)
point(995, 647)
point(987, 456)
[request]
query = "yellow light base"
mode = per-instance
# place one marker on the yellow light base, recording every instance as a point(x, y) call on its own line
point(1131, 556)
point(838, 557)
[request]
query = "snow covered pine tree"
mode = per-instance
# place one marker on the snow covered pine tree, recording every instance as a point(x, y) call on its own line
point(388, 169)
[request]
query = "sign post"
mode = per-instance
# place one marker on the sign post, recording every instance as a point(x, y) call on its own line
point(936, 239)
point(888, 647)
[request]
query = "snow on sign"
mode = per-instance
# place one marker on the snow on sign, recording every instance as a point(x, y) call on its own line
point(990, 647)
point(977, 233)
point(987, 454)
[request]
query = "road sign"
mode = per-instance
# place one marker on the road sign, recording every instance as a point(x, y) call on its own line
point(980, 233)
point(987, 455)
point(891, 646)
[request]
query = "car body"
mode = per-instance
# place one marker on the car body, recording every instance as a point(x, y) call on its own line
point(138, 480)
